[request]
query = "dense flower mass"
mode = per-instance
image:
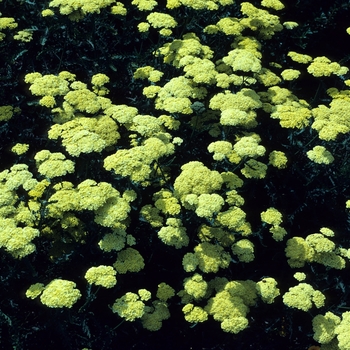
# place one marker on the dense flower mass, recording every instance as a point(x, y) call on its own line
point(172, 170)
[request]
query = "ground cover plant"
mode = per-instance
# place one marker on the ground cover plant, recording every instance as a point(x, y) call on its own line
point(174, 174)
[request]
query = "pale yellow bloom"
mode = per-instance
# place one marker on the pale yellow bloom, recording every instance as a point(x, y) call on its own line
point(278, 159)
point(129, 260)
point(118, 9)
point(290, 74)
point(24, 35)
point(194, 314)
point(129, 306)
point(274, 4)
point(161, 20)
point(267, 289)
point(20, 148)
point(101, 276)
point(300, 58)
point(303, 297)
point(53, 164)
point(60, 293)
point(145, 5)
point(174, 234)
point(320, 155)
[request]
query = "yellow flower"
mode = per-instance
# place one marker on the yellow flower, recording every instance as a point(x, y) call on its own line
point(113, 241)
point(248, 146)
point(101, 276)
point(221, 149)
point(298, 57)
point(7, 23)
point(47, 101)
point(254, 169)
point(194, 314)
point(278, 159)
point(166, 203)
point(303, 297)
point(145, 5)
point(24, 35)
point(229, 310)
point(278, 232)
point(47, 85)
point(234, 219)
point(208, 205)
point(129, 260)
point(322, 66)
point(195, 286)
point(174, 234)
point(161, 20)
point(129, 307)
point(6, 113)
point(320, 155)
point(290, 74)
point(271, 216)
point(227, 25)
point(244, 249)
point(267, 289)
point(324, 327)
point(242, 60)
point(86, 135)
point(292, 115)
point(200, 70)
point(60, 293)
point(118, 9)
point(34, 290)
point(267, 77)
point(164, 292)
point(209, 258)
point(20, 148)
point(172, 4)
point(53, 164)
point(290, 25)
point(196, 178)
point(274, 4)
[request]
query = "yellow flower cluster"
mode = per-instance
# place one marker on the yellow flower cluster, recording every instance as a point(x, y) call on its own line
point(273, 217)
point(101, 276)
point(316, 247)
point(332, 330)
point(303, 296)
point(320, 155)
point(58, 293)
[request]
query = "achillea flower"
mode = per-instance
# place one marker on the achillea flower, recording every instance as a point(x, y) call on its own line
point(278, 159)
point(303, 297)
point(129, 306)
point(60, 293)
point(24, 35)
point(20, 148)
point(145, 5)
point(161, 20)
point(267, 289)
point(174, 234)
point(298, 57)
point(290, 74)
point(242, 60)
point(274, 4)
point(53, 164)
point(194, 314)
point(320, 155)
point(129, 260)
point(244, 250)
point(195, 286)
point(101, 276)
point(323, 66)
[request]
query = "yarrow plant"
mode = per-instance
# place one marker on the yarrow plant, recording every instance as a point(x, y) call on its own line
point(179, 167)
